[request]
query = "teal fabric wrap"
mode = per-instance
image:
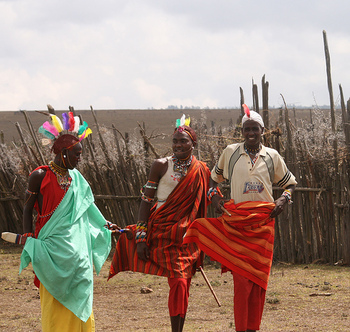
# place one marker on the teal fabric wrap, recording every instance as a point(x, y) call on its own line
point(68, 246)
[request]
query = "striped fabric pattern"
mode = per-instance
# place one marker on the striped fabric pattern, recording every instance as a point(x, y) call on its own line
point(285, 179)
point(166, 227)
point(242, 242)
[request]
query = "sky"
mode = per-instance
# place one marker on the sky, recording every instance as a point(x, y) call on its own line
point(139, 54)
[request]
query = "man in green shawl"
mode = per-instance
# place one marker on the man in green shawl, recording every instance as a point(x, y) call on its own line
point(70, 236)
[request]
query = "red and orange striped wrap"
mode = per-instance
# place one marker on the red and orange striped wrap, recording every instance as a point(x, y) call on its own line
point(167, 225)
point(242, 242)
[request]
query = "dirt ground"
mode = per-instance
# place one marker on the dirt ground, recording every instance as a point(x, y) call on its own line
point(299, 298)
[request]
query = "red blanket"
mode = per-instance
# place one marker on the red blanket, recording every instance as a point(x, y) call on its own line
point(166, 228)
point(243, 242)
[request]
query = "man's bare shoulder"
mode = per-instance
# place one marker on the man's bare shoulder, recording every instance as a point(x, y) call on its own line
point(159, 167)
point(37, 175)
point(161, 161)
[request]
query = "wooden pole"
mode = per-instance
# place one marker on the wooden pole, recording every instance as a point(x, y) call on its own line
point(241, 93)
point(346, 124)
point(210, 287)
point(255, 98)
point(329, 79)
point(265, 100)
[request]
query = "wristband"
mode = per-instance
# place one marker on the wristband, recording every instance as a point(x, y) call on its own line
point(108, 225)
point(141, 232)
point(213, 191)
point(288, 195)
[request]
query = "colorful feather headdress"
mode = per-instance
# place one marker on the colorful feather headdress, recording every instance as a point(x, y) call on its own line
point(183, 121)
point(183, 124)
point(70, 124)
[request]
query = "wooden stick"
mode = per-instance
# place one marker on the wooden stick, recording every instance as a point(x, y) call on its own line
point(225, 211)
point(209, 285)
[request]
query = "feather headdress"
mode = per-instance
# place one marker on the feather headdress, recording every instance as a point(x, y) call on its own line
point(70, 124)
point(183, 124)
point(183, 121)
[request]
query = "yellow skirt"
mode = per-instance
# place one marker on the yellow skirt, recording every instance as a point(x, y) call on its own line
point(55, 317)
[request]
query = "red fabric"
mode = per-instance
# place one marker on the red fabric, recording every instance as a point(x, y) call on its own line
point(178, 296)
point(166, 228)
point(243, 242)
point(52, 196)
point(248, 303)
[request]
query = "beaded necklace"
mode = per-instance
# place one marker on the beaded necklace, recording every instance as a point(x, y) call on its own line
point(253, 151)
point(181, 166)
point(62, 175)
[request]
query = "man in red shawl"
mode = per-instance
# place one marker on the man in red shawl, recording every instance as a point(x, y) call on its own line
point(242, 238)
point(180, 183)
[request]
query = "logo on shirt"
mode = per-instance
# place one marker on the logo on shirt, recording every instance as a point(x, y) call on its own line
point(253, 188)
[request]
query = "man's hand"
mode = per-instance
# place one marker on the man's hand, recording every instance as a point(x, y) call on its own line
point(142, 251)
point(117, 231)
point(218, 203)
point(280, 203)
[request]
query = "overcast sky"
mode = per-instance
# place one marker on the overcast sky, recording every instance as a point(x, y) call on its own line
point(115, 54)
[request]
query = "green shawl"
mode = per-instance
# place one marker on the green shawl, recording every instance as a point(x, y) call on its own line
point(68, 246)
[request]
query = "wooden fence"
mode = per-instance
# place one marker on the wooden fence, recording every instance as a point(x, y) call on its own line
point(316, 227)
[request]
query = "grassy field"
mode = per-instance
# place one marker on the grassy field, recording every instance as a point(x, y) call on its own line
point(299, 298)
point(156, 120)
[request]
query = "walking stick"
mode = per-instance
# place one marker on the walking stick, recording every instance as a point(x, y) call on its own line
point(209, 285)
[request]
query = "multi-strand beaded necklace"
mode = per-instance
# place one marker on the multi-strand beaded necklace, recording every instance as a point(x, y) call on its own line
point(181, 166)
point(255, 152)
point(62, 175)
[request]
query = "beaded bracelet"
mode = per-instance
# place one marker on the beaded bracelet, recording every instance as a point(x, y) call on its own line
point(31, 192)
point(141, 232)
point(22, 238)
point(151, 185)
point(108, 225)
point(288, 195)
point(214, 191)
point(146, 198)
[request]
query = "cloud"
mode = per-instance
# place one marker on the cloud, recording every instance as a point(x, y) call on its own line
point(138, 54)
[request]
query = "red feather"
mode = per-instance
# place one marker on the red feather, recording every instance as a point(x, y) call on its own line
point(246, 110)
point(71, 121)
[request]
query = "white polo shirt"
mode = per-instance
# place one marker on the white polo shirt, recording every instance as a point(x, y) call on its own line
point(252, 182)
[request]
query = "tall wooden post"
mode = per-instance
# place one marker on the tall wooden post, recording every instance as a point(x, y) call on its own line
point(265, 101)
point(329, 79)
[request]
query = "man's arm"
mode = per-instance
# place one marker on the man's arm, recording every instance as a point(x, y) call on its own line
point(31, 196)
point(158, 169)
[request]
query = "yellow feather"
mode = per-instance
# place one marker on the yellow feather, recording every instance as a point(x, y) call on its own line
point(57, 122)
point(86, 133)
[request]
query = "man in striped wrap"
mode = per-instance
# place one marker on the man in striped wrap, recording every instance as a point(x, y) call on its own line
point(180, 183)
point(241, 239)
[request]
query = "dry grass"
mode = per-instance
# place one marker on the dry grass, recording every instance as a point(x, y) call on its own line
point(299, 298)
